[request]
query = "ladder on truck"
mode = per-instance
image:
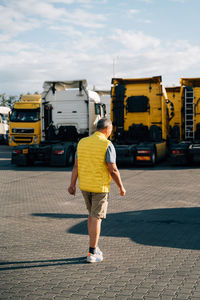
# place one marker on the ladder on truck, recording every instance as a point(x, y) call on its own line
point(189, 113)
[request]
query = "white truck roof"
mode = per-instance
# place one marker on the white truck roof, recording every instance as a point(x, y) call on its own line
point(63, 85)
point(70, 87)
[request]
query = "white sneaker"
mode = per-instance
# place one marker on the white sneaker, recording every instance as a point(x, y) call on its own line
point(96, 257)
point(98, 251)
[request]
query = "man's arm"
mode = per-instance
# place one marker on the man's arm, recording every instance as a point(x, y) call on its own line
point(114, 172)
point(72, 187)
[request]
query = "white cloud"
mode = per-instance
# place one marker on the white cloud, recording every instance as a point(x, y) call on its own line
point(145, 21)
point(14, 22)
point(134, 40)
point(4, 38)
point(17, 17)
point(60, 1)
point(140, 56)
point(28, 68)
point(134, 11)
point(14, 46)
point(180, 1)
point(83, 46)
point(67, 30)
point(146, 1)
point(83, 18)
point(84, 1)
point(45, 10)
point(148, 56)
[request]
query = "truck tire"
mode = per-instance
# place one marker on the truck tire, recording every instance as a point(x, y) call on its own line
point(30, 162)
point(153, 157)
point(70, 157)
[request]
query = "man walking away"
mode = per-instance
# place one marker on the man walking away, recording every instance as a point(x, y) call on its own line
point(95, 166)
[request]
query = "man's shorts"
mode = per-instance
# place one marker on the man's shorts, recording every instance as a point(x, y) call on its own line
point(96, 204)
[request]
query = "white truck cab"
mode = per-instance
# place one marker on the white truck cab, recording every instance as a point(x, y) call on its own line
point(4, 124)
point(69, 104)
point(69, 112)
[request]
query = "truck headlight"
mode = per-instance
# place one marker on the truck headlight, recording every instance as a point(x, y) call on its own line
point(35, 139)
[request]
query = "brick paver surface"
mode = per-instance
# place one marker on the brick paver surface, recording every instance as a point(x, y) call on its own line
point(150, 239)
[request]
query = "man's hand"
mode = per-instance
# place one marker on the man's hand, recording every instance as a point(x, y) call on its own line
point(122, 191)
point(72, 187)
point(72, 190)
point(114, 172)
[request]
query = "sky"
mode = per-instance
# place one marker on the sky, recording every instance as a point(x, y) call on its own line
point(96, 40)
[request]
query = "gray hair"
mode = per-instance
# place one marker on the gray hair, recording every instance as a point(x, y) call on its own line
point(103, 123)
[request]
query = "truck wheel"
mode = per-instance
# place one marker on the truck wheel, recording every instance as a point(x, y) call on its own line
point(153, 158)
point(70, 157)
point(30, 162)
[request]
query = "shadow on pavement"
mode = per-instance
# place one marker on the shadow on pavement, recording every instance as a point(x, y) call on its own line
point(5, 164)
point(59, 216)
point(15, 265)
point(167, 227)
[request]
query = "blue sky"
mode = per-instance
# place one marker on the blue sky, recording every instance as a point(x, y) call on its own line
point(95, 40)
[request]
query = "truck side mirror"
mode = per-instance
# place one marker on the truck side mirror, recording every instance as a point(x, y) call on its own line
point(104, 110)
point(97, 109)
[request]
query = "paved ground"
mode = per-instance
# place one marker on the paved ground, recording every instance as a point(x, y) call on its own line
point(150, 239)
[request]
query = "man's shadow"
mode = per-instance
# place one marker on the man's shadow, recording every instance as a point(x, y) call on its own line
point(17, 265)
point(167, 227)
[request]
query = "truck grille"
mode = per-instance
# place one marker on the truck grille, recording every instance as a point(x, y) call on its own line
point(23, 140)
point(22, 130)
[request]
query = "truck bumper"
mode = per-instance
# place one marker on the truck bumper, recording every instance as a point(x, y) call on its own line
point(59, 155)
point(19, 157)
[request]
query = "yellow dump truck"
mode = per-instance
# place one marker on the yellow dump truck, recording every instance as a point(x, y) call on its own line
point(25, 121)
point(140, 122)
point(186, 98)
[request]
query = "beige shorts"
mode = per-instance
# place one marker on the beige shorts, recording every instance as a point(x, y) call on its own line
point(96, 204)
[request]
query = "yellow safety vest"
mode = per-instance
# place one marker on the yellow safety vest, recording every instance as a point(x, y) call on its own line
point(93, 174)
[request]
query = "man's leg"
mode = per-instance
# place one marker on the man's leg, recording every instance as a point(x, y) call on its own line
point(94, 230)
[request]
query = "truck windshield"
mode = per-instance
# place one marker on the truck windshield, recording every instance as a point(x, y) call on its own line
point(25, 115)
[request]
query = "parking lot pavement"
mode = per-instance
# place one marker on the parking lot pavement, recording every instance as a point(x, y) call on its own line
point(150, 239)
